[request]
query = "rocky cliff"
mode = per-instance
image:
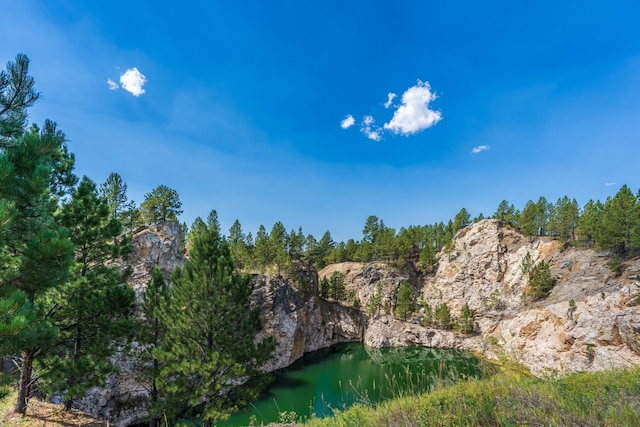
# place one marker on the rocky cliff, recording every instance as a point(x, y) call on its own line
point(590, 320)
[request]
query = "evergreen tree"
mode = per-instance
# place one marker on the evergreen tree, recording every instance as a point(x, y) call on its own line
point(114, 191)
point(442, 316)
point(337, 288)
point(161, 205)
point(465, 323)
point(237, 245)
point(528, 221)
point(323, 288)
point(210, 356)
point(505, 212)
point(461, 220)
point(93, 309)
point(620, 217)
point(35, 251)
point(541, 281)
point(150, 334)
point(263, 253)
point(563, 218)
point(428, 260)
point(278, 246)
point(589, 223)
point(295, 244)
point(375, 301)
point(542, 217)
point(428, 314)
point(16, 95)
point(405, 303)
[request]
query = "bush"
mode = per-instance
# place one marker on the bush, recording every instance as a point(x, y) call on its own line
point(541, 281)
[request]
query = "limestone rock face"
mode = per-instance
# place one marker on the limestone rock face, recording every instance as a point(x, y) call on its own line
point(590, 321)
point(301, 322)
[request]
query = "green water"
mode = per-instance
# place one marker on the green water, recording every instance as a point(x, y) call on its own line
point(353, 373)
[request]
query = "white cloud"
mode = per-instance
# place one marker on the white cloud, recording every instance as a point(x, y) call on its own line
point(132, 81)
point(480, 148)
point(609, 184)
point(369, 129)
point(414, 114)
point(348, 122)
point(112, 85)
point(390, 97)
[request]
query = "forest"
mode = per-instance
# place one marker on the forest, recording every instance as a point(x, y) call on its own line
point(66, 311)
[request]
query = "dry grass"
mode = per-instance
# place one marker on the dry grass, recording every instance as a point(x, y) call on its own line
point(41, 414)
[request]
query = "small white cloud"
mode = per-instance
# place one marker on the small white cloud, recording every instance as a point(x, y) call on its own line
point(390, 97)
point(348, 122)
point(112, 85)
point(480, 148)
point(369, 129)
point(609, 184)
point(132, 81)
point(414, 114)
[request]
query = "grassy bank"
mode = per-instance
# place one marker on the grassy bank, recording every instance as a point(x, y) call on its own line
point(609, 398)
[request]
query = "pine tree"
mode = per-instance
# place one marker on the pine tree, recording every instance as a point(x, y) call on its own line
point(528, 221)
point(375, 301)
point(210, 356)
point(161, 205)
point(442, 316)
point(461, 220)
point(563, 218)
point(35, 251)
point(541, 281)
point(466, 320)
point(337, 288)
point(620, 217)
point(16, 95)
point(93, 309)
point(150, 334)
point(405, 303)
point(428, 261)
point(114, 191)
point(589, 223)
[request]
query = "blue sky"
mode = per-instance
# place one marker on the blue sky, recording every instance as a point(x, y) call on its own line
point(243, 103)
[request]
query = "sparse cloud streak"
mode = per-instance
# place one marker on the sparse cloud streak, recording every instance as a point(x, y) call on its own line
point(609, 184)
point(480, 148)
point(390, 97)
point(369, 128)
point(112, 85)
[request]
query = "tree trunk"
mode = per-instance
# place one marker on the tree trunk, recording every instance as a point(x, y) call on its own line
point(207, 423)
point(24, 386)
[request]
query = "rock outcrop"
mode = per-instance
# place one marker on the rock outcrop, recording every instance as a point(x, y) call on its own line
point(590, 320)
point(300, 322)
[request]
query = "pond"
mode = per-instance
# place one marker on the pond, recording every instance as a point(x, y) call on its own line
point(353, 373)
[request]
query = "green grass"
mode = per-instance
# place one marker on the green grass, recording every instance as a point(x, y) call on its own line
point(610, 398)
